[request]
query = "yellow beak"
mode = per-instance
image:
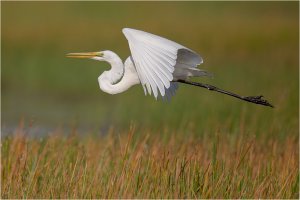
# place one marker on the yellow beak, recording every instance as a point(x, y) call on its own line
point(84, 55)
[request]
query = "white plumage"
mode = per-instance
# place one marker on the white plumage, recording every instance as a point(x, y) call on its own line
point(155, 62)
point(158, 61)
point(158, 64)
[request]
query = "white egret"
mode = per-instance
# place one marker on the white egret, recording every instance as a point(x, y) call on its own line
point(158, 64)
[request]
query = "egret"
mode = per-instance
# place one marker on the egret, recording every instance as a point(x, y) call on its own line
point(158, 64)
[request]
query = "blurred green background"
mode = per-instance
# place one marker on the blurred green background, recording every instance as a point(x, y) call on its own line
point(250, 47)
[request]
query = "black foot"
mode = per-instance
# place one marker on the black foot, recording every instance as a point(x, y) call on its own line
point(258, 100)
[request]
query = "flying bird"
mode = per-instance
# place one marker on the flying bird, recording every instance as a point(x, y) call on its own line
point(158, 64)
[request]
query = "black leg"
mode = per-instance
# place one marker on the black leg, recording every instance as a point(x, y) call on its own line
point(252, 99)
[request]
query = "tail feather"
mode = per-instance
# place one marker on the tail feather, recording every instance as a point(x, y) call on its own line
point(199, 72)
point(184, 73)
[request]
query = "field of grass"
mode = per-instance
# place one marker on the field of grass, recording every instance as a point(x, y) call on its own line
point(132, 165)
point(63, 138)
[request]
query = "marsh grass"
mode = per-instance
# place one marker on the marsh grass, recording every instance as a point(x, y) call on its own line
point(150, 165)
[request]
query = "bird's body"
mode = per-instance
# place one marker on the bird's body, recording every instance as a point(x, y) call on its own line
point(158, 64)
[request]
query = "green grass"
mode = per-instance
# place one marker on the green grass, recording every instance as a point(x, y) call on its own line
point(75, 141)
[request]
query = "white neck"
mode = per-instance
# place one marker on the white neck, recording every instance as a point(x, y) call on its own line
point(113, 81)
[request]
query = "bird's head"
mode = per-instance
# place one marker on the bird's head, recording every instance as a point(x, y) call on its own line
point(99, 55)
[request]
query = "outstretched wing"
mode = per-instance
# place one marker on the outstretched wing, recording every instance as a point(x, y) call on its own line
point(155, 59)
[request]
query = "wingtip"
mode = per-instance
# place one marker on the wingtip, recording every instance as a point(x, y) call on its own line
point(201, 61)
point(124, 30)
point(127, 32)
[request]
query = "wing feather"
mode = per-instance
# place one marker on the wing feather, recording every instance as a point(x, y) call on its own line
point(155, 71)
point(143, 77)
point(162, 73)
point(156, 58)
point(150, 76)
point(148, 72)
point(161, 59)
point(144, 73)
